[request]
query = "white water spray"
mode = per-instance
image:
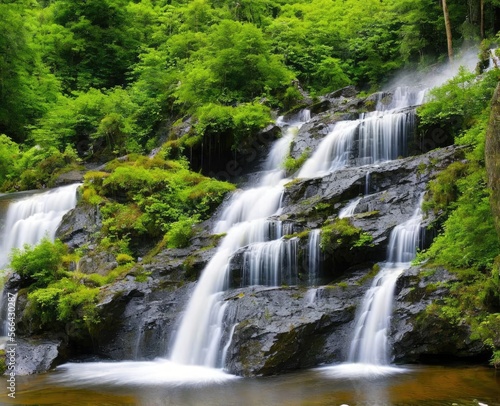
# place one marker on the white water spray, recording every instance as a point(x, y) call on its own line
point(370, 343)
point(245, 221)
point(30, 219)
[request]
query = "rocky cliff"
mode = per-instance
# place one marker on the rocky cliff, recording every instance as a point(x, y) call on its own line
point(282, 328)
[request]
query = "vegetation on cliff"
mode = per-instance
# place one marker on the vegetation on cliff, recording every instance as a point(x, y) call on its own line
point(468, 243)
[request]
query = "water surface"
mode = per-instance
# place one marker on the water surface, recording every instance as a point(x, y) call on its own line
point(127, 384)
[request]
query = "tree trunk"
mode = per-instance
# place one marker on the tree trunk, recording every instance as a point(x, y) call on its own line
point(448, 30)
point(482, 18)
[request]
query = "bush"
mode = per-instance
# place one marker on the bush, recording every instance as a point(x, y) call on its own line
point(179, 233)
point(39, 265)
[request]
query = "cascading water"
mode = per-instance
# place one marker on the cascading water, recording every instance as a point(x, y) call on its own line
point(348, 211)
point(313, 256)
point(245, 223)
point(270, 259)
point(370, 343)
point(378, 136)
point(30, 219)
point(271, 263)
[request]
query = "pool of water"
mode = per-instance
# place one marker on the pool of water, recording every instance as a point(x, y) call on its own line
point(161, 383)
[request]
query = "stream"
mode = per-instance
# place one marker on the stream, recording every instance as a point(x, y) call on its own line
point(141, 384)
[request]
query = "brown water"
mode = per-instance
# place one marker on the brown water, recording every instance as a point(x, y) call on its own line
point(427, 386)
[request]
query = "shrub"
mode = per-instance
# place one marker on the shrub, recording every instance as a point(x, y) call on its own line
point(39, 265)
point(180, 232)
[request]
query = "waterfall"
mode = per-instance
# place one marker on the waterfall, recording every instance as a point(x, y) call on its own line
point(244, 220)
point(271, 263)
point(375, 137)
point(270, 259)
point(370, 343)
point(31, 218)
point(313, 256)
point(348, 211)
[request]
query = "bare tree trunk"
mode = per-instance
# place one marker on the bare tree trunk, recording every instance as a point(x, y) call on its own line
point(448, 30)
point(482, 18)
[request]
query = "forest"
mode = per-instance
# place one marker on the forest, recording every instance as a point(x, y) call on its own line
point(98, 85)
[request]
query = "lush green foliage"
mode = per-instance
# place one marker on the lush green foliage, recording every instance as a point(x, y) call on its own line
point(468, 243)
point(39, 265)
point(109, 77)
point(152, 197)
point(54, 294)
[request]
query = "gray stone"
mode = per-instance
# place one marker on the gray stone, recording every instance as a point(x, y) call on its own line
point(38, 355)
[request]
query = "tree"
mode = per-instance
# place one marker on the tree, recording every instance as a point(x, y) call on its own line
point(448, 30)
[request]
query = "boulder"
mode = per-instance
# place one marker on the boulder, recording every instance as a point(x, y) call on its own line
point(419, 334)
point(288, 328)
point(35, 355)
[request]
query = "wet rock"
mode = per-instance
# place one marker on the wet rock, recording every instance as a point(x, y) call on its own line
point(79, 224)
point(394, 189)
point(419, 334)
point(38, 355)
point(69, 178)
point(283, 329)
point(139, 318)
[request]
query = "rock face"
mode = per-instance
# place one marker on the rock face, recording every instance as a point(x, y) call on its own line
point(140, 318)
point(419, 335)
point(38, 355)
point(283, 329)
point(79, 224)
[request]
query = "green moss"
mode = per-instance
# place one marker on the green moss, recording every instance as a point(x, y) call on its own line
point(342, 233)
point(367, 214)
point(292, 165)
point(301, 235)
point(142, 196)
point(123, 259)
point(370, 275)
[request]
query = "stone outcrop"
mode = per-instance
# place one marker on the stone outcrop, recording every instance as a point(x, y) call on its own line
point(283, 329)
point(419, 334)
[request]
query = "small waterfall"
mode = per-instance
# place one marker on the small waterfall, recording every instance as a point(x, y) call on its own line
point(314, 256)
point(271, 263)
point(348, 211)
point(27, 221)
point(310, 297)
point(367, 183)
point(370, 343)
point(31, 218)
point(494, 60)
point(333, 153)
point(375, 137)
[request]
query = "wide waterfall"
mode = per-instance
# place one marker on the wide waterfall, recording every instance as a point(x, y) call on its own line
point(269, 257)
point(378, 136)
point(30, 218)
point(370, 343)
